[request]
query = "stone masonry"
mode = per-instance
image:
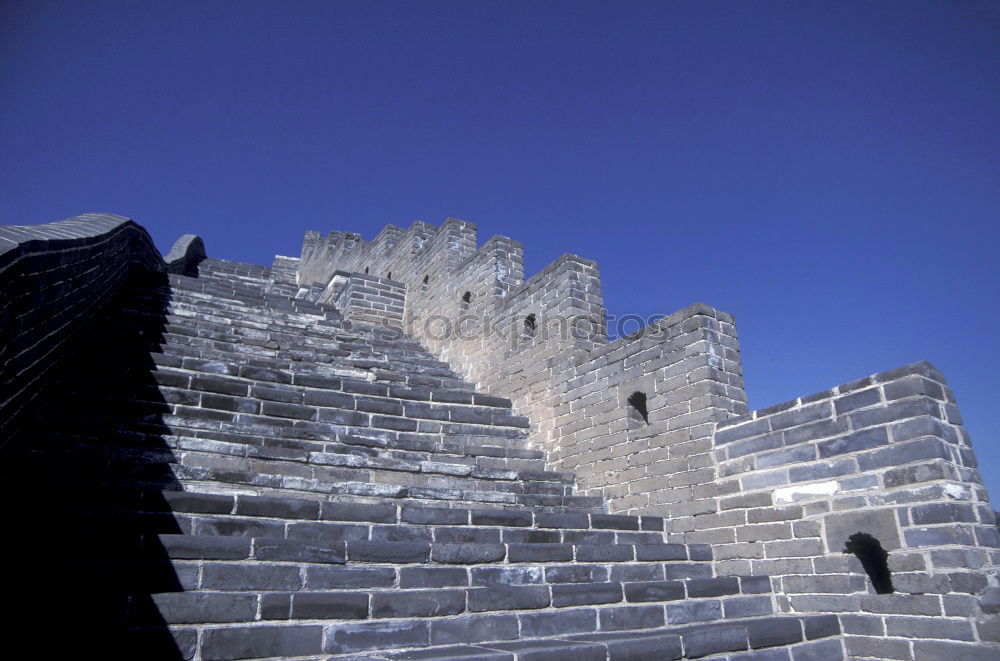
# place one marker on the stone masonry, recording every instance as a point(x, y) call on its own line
point(404, 449)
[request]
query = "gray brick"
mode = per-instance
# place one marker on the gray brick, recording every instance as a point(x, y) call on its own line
point(746, 606)
point(862, 440)
point(330, 605)
point(396, 552)
point(581, 594)
point(772, 632)
point(927, 650)
point(467, 554)
point(617, 618)
point(247, 642)
point(857, 400)
point(912, 386)
point(562, 520)
point(746, 430)
point(654, 591)
point(286, 508)
point(801, 416)
point(938, 536)
point(713, 587)
point(702, 641)
point(796, 454)
point(823, 650)
point(250, 577)
point(614, 521)
point(694, 611)
point(576, 574)
point(897, 454)
point(554, 650)
point(327, 577)
point(199, 607)
point(500, 518)
point(539, 552)
point(558, 623)
point(932, 513)
point(821, 626)
point(432, 577)
point(417, 603)
point(434, 515)
point(505, 575)
point(182, 547)
point(364, 636)
point(474, 629)
point(816, 430)
point(297, 551)
point(907, 408)
point(508, 597)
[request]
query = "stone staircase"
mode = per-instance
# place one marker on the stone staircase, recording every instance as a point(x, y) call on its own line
point(244, 475)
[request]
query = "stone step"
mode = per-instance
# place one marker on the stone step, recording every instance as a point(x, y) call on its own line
point(307, 545)
point(215, 361)
point(283, 593)
point(351, 402)
point(154, 469)
point(298, 444)
point(114, 463)
point(240, 339)
point(208, 310)
point(583, 633)
point(775, 638)
point(239, 296)
point(225, 480)
point(196, 512)
point(123, 461)
point(403, 513)
point(376, 382)
point(214, 314)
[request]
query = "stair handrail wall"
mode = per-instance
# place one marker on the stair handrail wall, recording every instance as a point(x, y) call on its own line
point(56, 277)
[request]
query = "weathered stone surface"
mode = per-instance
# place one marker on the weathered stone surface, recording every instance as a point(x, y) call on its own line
point(279, 462)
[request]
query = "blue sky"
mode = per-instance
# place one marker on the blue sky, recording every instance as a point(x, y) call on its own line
point(826, 171)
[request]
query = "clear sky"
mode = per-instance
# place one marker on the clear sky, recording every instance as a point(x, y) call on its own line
point(829, 172)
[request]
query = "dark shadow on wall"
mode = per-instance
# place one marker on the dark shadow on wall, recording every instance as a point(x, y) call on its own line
point(874, 560)
point(81, 484)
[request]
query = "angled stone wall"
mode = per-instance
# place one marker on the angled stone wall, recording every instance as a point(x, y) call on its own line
point(885, 456)
point(53, 279)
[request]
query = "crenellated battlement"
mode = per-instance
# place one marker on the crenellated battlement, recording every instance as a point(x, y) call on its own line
point(542, 342)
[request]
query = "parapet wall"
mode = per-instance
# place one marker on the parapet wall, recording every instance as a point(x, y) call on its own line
point(53, 279)
point(884, 456)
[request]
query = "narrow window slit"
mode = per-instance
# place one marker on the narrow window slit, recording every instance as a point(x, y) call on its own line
point(874, 560)
point(466, 299)
point(637, 401)
point(366, 269)
point(530, 325)
point(389, 275)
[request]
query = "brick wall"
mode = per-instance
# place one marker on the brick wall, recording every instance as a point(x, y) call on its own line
point(686, 366)
point(776, 492)
point(53, 278)
point(367, 299)
point(887, 456)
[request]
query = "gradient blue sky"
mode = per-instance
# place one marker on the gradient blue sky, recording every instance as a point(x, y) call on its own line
point(826, 171)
